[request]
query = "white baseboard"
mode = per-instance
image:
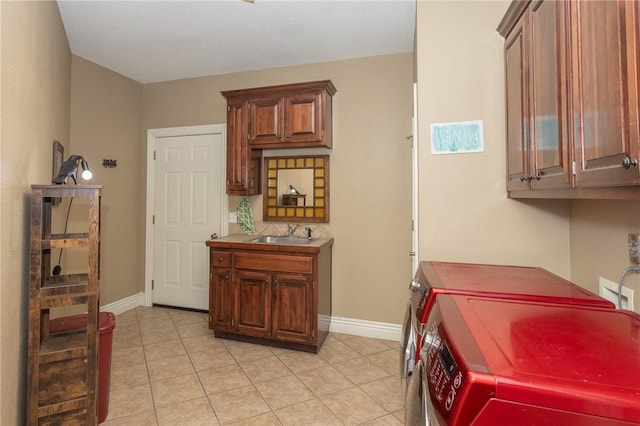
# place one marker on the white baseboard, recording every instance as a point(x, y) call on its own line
point(379, 330)
point(123, 305)
point(364, 328)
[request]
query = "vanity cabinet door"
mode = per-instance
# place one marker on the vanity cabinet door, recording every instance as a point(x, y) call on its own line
point(220, 299)
point(265, 121)
point(293, 310)
point(605, 70)
point(252, 303)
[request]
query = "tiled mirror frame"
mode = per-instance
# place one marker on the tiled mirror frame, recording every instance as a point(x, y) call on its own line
point(275, 212)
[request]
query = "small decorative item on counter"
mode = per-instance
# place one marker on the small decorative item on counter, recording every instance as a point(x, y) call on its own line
point(245, 216)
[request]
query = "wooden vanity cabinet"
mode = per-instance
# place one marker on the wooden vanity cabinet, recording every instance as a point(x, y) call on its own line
point(271, 294)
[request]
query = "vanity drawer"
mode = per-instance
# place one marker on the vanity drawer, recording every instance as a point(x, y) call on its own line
point(273, 262)
point(220, 258)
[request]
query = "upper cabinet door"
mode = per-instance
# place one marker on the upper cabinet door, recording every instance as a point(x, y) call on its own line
point(548, 103)
point(304, 118)
point(243, 164)
point(605, 40)
point(516, 110)
point(265, 118)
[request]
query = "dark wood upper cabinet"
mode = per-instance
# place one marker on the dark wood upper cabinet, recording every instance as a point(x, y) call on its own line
point(291, 116)
point(286, 116)
point(572, 83)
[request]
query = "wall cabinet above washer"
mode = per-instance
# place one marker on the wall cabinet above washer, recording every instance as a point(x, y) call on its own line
point(572, 89)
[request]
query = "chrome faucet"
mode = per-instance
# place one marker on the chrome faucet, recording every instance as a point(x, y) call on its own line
point(291, 228)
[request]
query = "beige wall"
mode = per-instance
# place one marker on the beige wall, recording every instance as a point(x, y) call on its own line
point(599, 232)
point(370, 167)
point(106, 112)
point(464, 213)
point(36, 62)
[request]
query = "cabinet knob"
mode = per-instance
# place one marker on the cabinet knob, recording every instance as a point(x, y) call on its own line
point(220, 259)
point(628, 162)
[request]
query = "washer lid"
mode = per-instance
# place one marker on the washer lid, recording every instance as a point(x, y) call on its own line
point(514, 282)
point(572, 358)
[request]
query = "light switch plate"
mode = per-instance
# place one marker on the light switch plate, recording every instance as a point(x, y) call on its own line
point(233, 217)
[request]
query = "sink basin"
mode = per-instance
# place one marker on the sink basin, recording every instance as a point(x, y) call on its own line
point(269, 239)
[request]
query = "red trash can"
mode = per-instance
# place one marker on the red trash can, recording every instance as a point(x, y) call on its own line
point(106, 324)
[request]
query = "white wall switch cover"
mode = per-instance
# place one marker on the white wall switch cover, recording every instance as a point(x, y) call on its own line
point(233, 217)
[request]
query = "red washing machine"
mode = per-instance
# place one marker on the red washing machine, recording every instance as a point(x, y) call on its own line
point(503, 362)
point(508, 282)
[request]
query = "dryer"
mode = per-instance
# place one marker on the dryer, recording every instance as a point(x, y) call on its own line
point(505, 362)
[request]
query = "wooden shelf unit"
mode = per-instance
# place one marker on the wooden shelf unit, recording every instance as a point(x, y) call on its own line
point(62, 367)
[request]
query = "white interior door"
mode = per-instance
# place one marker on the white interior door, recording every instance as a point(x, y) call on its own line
point(188, 194)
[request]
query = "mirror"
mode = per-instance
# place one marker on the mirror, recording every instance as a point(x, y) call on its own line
point(297, 189)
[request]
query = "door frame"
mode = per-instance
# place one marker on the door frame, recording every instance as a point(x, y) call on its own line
point(152, 136)
point(415, 184)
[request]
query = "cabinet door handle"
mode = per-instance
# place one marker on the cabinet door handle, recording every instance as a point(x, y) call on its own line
point(220, 259)
point(628, 162)
point(529, 178)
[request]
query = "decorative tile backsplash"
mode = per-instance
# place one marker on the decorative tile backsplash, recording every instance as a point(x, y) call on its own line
point(270, 228)
point(318, 230)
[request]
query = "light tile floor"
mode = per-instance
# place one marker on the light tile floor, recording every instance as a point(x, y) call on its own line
point(169, 369)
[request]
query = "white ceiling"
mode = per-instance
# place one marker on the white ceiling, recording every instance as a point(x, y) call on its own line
point(151, 41)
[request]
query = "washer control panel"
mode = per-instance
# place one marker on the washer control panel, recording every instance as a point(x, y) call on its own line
point(445, 377)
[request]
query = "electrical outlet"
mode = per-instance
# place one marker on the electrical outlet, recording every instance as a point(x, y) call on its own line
point(233, 217)
point(634, 248)
point(609, 291)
